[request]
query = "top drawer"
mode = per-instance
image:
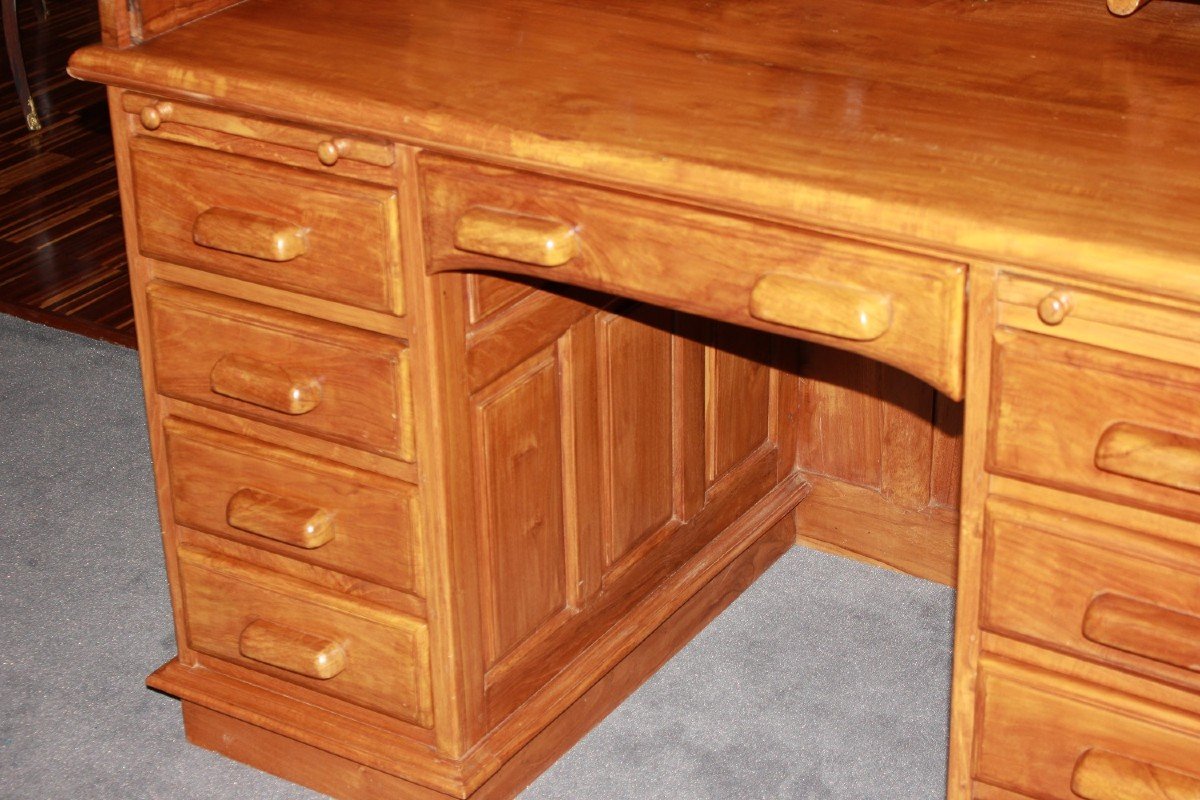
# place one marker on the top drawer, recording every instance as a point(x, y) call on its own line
point(1097, 422)
point(327, 237)
point(1162, 332)
point(903, 309)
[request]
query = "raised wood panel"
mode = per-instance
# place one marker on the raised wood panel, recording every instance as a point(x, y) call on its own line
point(523, 533)
point(885, 451)
point(635, 357)
point(487, 294)
point(737, 404)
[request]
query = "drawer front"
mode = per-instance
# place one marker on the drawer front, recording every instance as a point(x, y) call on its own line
point(1049, 737)
point(1098, 592)
point(342, 647)
point(327, 237)
point(904, 309)
point(1100, 423)
point(294, 504)
point(1071, 312)
point(293, 371)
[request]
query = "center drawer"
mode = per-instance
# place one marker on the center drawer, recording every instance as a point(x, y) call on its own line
point(293, 371)
point(340, 646)
point(901, 308)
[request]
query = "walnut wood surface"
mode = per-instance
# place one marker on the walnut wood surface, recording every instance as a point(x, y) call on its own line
point(984, 128)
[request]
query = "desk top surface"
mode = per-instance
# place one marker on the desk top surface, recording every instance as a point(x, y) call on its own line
point(1040, 132)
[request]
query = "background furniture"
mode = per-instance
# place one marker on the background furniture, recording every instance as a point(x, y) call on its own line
point(425, 524)
point(16, 62)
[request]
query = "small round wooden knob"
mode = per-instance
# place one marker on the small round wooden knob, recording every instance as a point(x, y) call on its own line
point(1055, 307)
point(330, 150)
point(154, 115)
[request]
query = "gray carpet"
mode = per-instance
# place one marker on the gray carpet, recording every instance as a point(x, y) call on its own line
point(827, 679)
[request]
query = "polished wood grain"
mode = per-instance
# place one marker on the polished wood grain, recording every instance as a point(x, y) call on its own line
point(1102, 316)
point(1150, 454)
point(384, 656)
point(1144, 629)
point(1113, 595)
point(1037, 725)
point(320, 236)
point(326, 772)
point(292, 650)
point(62, 257)
point(806, 109)
point(1002, 215)
point(1100, 775)
point(1044, 429)
point(252, 235)
point(518, 237)
point(884, 454)
point(633, 246)
point(310, 376)
point(303, 507)
point(280, 518)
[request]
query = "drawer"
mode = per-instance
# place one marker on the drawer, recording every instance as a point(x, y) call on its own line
point(265, 138)
point(1165, 333)
point(327, 237)
point(1047, 736)
point(904, 309)
point(343, 647)
point(1103, 593)
point(294, 504)
point(293, 371)
point(1101, 423)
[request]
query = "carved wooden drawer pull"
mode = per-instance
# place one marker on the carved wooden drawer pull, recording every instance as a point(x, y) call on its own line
point(155, 114)
point(246, 234)
point(292, 650)
point(280, 518)
point(845, 312)
point(1152, 455)
point(517, 237)
point(263, 384)
point(1100, 775)
point(1144, 629)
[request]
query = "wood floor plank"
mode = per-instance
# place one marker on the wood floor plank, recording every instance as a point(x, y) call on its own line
point(62, 253)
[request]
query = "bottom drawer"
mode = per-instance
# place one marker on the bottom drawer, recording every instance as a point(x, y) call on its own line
point(340, 646)
point(1047, 736)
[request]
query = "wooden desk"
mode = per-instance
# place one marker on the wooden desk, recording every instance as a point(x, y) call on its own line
point(491, 348)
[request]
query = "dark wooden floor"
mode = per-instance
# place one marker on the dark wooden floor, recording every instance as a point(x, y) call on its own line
point(62, 254)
